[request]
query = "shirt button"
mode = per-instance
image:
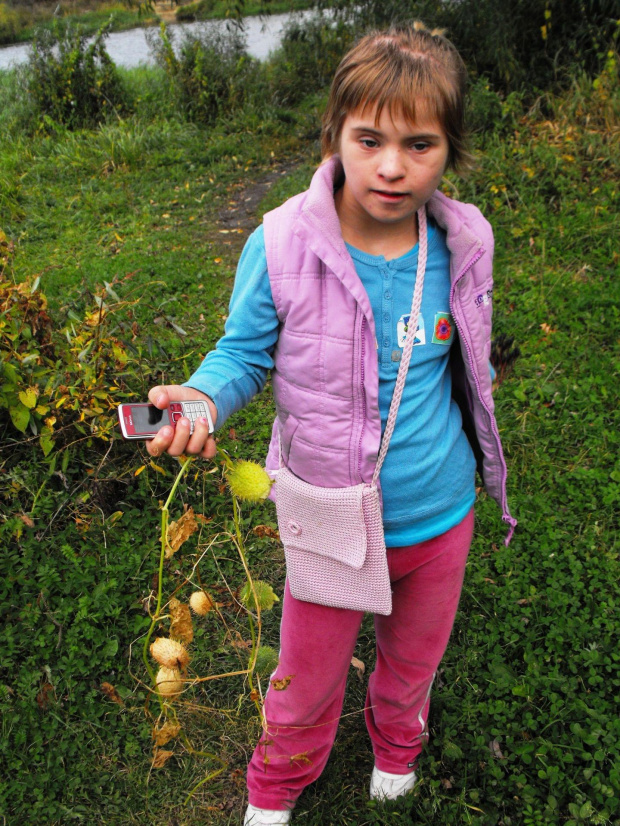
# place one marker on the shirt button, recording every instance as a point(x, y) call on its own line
point(387, 294)
point(386, 316)
point(386, 342)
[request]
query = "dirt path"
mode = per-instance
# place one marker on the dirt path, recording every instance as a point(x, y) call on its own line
point(239, 217)
point(166, 11)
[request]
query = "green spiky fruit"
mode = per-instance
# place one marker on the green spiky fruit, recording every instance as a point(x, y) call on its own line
point(250, 481)
point(264, 595)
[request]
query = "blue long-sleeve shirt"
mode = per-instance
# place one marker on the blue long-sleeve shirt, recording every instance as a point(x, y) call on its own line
point(427, 479)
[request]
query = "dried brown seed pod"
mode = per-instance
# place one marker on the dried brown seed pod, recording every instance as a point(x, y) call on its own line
point(200, 603)
point(169, 681)
point(170, 653)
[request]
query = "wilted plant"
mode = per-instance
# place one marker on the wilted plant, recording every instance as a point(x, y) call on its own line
point(247, 481)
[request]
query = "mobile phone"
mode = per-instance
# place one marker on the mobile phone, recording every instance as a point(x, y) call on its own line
point(144, 420)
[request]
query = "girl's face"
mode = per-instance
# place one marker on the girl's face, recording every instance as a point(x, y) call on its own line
point(391, 169)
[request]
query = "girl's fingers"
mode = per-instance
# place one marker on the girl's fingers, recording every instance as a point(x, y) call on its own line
point(210, 448)
point(161, 442)
point(199, 437)
point(181, 438)
point(159, 397)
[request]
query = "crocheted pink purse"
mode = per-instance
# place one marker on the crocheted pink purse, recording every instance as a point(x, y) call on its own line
point(333, 537)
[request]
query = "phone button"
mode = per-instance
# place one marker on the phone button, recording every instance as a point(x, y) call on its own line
point(177, 408)
point(176, 417)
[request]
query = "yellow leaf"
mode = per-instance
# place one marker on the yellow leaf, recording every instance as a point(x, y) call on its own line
point(166, 733)
point(139, 470)
point(28, 397)
point(181, 627)
point(158, 468)
point(112, 694)
point(359, 666)
point(283, 684)
point(161, 757)
point(180, 531)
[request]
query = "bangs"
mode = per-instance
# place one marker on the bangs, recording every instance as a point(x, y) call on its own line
point(409, 84)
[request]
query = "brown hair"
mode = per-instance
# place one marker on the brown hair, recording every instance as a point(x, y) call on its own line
point(403, 68)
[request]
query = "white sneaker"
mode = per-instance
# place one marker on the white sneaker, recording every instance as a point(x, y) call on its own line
point(386, 786)
point(266, 817)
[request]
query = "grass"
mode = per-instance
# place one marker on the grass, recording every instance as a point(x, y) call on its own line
point(219, 9)
point(18, 26)
point(524, 723)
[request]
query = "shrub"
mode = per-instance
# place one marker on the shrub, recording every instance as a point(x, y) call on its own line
point(72, 81)
point(517, 43)
point(61, 378)
point(308, 57)
point(211, 75)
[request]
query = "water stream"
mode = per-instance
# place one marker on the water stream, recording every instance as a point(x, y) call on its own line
point(130, 48)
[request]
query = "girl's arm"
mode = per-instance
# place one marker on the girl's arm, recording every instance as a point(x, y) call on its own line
point(239, 366)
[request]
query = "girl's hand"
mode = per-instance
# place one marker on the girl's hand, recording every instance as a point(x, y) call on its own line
point(177, 440)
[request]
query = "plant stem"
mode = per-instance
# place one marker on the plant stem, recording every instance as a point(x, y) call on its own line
point(162, 556)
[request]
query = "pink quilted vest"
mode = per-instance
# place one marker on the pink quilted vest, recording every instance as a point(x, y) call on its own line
point(325, 378)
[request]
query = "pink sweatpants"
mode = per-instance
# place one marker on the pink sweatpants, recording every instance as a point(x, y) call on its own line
point(304, 701)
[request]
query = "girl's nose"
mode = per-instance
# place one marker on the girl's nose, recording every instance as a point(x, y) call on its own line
point(391, 164)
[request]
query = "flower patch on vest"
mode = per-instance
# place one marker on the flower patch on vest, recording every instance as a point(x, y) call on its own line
point(443, 330)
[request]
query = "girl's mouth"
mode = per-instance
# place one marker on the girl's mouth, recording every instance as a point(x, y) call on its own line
point(390, 197)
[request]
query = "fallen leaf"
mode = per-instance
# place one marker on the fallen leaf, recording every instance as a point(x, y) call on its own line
point(112, 694)
point(181, 627)
point(496, 750)
point(166, 733)
point(281, 685)
point(180, 531)
point(160, 758)
point(359, 667)
point(26, 520)
point(446, 783)
point(266, 530)
point(45, 696)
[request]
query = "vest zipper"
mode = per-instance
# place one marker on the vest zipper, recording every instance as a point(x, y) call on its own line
point(504, 473)
point(363, 393)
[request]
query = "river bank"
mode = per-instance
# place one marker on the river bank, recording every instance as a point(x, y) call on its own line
point(130, 48)
point(18, 26)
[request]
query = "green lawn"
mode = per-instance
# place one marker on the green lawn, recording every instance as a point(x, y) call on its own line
point(524, 722)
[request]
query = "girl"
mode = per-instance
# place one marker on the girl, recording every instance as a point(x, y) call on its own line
point(322, 298)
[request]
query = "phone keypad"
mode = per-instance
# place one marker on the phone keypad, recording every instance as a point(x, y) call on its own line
point(192, 411)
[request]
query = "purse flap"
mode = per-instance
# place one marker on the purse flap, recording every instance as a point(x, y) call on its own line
point(324, 521)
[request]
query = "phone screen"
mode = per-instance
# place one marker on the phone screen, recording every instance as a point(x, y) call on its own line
point(147, 418)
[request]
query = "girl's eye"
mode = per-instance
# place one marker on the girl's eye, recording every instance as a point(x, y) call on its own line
point(419, 146)
point(369, 143)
